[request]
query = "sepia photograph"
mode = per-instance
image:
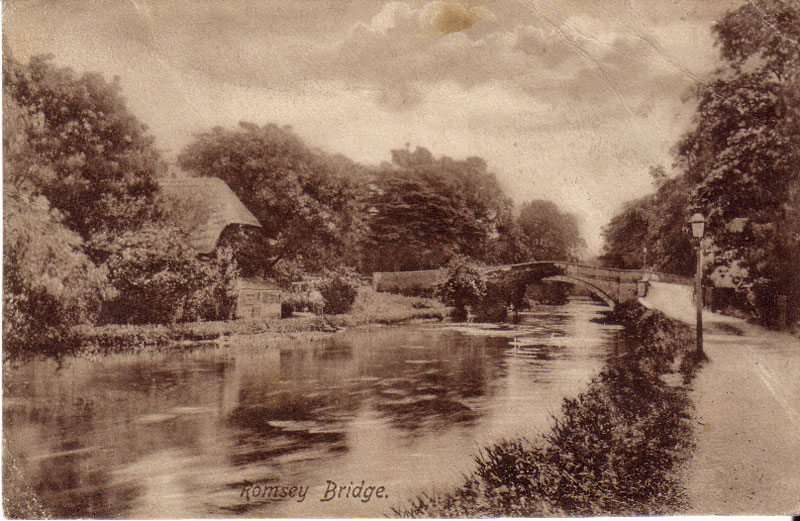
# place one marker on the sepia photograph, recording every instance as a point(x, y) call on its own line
point(400, 258)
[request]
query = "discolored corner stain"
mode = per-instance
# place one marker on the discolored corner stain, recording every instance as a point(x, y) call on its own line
point(452, 17)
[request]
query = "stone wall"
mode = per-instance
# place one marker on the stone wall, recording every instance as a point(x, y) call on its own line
point(406, 281)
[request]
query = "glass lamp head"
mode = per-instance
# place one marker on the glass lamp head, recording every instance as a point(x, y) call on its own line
point(698, 223)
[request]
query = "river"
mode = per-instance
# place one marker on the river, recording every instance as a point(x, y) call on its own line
point(220, 431)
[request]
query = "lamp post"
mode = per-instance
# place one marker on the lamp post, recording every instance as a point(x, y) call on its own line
point(698, 223)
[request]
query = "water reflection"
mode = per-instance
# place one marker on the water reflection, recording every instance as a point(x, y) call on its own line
point(177, 434)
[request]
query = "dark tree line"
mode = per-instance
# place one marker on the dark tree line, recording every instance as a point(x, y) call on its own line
point(416, 212)
point(739, 165)
point(657, 222)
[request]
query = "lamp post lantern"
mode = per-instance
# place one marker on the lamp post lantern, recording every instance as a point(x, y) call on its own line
point(698, 223)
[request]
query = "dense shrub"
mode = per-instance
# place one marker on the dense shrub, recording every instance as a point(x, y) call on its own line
point(339, 289)
point(463, 285)
point(495, 303)
point(655, 340)
point(49, 284)
point(287, 309)
point(553, 293)
point(510, 290)
point(302, 297)
point(160, 279)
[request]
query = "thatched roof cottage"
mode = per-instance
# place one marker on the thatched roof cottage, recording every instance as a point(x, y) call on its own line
point(209, 206)
point(213, 205)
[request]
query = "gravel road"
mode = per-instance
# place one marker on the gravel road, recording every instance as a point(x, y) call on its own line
point(747, 409)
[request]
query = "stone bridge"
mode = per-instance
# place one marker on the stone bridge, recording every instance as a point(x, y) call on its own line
point(612, 286)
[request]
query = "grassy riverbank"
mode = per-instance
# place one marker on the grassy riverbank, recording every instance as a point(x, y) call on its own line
point(616, 449)
point(370, 308)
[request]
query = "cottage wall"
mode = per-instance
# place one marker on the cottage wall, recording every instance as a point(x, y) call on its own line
point(258, 301)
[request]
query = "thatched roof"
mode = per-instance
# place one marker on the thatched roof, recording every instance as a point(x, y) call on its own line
point(216, 204)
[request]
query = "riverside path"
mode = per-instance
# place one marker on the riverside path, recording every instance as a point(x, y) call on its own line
point(747, 409)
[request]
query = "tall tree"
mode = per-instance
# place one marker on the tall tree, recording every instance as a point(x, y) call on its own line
point(657, 222)
point(740, 166)
point(743, 154)
point(83, 222)
point(548, 233)
point(99, 163)
point(48, 282)
point(625, 236)
point(302, 197)
point(424, 210)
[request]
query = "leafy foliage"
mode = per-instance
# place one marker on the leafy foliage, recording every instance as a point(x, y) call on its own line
point(423, 211)
point(744, 151)
point(160, 279)
point(550, 293)
point(547, 233)
point(339, 290)
point(85, 232)
point(510, 290)
point(657, 222)
point(95, 163)
point(463, 285)
point(48, 282)
point(301, 197)
point(738, 166)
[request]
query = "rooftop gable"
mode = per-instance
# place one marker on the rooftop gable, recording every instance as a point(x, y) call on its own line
point(215, 202)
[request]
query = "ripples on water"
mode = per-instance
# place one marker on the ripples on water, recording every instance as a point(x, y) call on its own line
point(176, 434)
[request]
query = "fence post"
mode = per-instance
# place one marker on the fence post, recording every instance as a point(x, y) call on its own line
point(709, 297)
point(782, 308)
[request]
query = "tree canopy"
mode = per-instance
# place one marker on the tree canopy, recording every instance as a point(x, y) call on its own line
point(739, 164)
point(81, 203)
point(657, 222)
point(302, 197)
point(94, 160)
point(547, 233)
point(424, 210)
point(743, 155)
point(49, 284)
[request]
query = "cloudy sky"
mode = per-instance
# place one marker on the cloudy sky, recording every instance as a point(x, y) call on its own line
point(567, 100)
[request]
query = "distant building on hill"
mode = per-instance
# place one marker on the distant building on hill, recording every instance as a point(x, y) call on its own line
point(207, 207)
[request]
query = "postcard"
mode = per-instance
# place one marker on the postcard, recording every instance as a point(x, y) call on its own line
point(400, 258)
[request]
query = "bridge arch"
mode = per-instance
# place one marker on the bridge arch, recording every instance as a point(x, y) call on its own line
point(582, 283)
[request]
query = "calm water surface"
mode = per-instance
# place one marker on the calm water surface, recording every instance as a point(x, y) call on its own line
point(178, 434)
